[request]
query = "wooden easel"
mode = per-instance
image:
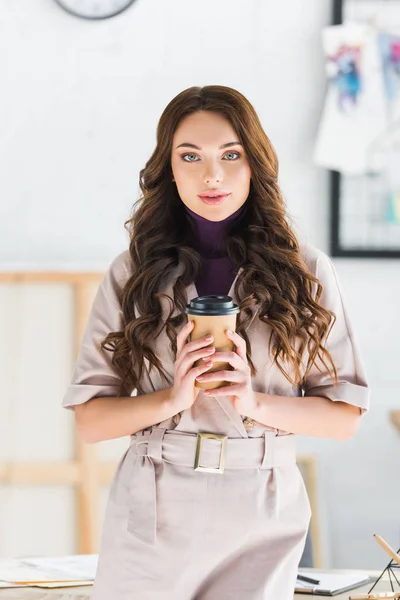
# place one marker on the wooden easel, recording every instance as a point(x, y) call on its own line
point(395, 418)
point(393, 565)
point(85, 472)
point(389, 569)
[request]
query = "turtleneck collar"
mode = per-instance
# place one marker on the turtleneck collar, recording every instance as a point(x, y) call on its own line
point(207, 235)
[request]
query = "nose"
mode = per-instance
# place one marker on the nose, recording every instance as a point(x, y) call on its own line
point(213, 173)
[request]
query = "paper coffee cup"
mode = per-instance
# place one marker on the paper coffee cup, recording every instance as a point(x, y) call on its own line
point(213, 314)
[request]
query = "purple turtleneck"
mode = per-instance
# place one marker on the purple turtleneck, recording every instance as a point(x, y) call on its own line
point(218, 270)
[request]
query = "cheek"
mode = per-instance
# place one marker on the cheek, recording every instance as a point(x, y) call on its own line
point(243, 175)
point(183, 179)
point(180, 174)
point(188, 181)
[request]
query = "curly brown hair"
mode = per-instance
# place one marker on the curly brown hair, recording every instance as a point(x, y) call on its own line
point(274, 273)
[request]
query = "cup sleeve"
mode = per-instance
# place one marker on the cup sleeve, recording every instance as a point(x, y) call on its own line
point(93, 374)
point(352, 385)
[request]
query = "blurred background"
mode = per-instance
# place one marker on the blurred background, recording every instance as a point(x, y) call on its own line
point(79, 107)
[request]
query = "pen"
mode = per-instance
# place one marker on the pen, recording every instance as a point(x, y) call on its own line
point(387, 548)
point(308, 579)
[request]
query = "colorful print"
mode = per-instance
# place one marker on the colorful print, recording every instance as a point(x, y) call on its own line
point(393, 208)
point(389, 47)
point(344, 71)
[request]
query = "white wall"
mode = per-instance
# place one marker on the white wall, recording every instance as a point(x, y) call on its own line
point(80, 102)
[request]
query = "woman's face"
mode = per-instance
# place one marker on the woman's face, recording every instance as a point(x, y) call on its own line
point(207, 157)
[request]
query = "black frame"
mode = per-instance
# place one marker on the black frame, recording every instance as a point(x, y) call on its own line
point(335, 181)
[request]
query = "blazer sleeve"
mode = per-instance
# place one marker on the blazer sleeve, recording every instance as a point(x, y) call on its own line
point(342, 345)
point(93, 374)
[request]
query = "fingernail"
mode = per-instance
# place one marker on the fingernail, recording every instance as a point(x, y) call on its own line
point(229, 331)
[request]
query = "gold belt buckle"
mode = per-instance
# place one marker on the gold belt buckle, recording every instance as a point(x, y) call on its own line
point(212, 436)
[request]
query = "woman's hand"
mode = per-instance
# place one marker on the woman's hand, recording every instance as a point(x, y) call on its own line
point(239, 391)
point(184, 392)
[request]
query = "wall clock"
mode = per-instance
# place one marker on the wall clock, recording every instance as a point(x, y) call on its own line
point(94, 9)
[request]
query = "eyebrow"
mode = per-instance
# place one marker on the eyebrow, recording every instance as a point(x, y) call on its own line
point(198, 147)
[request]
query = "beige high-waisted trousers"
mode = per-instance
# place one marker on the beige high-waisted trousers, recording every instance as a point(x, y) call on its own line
point(173, 532)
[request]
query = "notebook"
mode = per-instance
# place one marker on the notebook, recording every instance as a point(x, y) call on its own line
point(331, 584)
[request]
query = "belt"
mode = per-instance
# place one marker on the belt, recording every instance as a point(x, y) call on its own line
point(204, 452)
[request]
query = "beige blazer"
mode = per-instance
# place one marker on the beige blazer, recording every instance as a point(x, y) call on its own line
point(171, 531)
point(94, 376)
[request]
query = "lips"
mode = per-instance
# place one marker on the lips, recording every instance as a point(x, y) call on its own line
point(213, 197)
point(213, 200)
point(213, 194)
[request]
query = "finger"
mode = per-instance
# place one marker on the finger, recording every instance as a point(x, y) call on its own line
point(235, 376)
point(231, 390)
point(183, 335)
point(239, 342)
point(192, 374)
point(186, 359)
point(230, 357)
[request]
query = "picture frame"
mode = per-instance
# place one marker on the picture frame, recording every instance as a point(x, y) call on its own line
point(359, 227)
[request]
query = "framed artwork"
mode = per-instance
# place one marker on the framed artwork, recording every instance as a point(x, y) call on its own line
point(365, 205)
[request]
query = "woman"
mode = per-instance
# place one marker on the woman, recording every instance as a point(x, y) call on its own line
point(172, 531)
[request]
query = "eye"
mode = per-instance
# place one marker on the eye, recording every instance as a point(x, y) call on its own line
point(188, 154)
point(184, 156)
point(230, 153)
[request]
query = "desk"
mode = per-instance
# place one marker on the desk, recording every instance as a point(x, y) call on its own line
point(83, 593)
point(383, 585)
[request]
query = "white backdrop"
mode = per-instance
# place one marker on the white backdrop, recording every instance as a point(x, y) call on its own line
point(81, 100)
point(80, 103)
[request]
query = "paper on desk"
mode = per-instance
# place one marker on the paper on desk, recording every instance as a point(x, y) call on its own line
point(50, 572)
point(14, 571)
point(74, 566)
point(25, 574)
point(49, 585)
point(60, 584)
point(6, 584)
point(332, 581)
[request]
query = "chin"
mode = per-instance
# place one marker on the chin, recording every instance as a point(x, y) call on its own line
point(215, 215)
